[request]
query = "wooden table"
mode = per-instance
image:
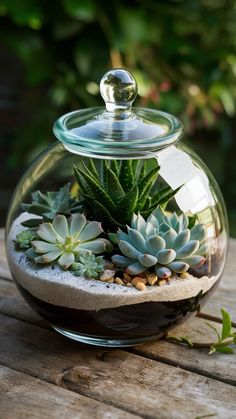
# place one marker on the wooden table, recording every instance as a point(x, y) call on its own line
point(44, 375)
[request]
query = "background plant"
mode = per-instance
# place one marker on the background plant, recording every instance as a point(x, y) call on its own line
point(183, 54)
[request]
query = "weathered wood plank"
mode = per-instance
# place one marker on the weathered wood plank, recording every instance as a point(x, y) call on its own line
point(225, 295)
point(25, 397)
point(4, 270)
point(221, 367)
point(130, 382)
point(12, 304)
point(218, 366)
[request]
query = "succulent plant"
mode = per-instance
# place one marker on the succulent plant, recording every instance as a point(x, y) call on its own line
point(115, 190)
point(50, 204)
point(88, 265)
point(24, 238)
point(163, 242)
point(64, 239)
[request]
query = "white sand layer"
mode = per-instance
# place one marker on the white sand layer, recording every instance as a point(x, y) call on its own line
point(53, 285)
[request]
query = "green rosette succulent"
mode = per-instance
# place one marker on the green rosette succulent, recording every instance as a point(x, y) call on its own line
point(24, 238)
point(50, 204)
point(88, 265)
point(64, 239)
point(162, 242)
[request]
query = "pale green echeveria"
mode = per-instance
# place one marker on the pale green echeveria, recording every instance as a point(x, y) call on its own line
point(163, 242)
point(64, 238)
point(88, 265)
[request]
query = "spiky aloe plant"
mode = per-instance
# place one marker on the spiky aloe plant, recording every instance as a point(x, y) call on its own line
point(163, 242)
point(64, 239)
point(50, 204)
point(118, 189)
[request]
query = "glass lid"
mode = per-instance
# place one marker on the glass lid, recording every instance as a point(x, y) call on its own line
point(118, 126)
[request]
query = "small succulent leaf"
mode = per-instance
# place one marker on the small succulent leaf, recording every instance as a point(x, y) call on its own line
point(121, 235)
point(169, 237)
point(90, 231)
point(92, 168)
point(113, 237)
point(128, 250)
point(134, 220)
point(136, 269)
point(127, 205)
point(198, 232)
point(33, 222)
point(178, 267)
point(140, 224)
point(122, 261)
point(227, 324)
point(114, 166)
point(150, 229)
point(174, 220)
point(105, 215)
point(48, 257)
point(147, 260)
point(166, 256)
point(203, 249)
point(47, 232)
point(145, 185)
point(159, 214)
point(188, 249)
point(195, 261)
point(76, 223)
point(31, 254)
point(108, 246)
point(114, 188)
point(181, 239)
point(162, 271)
point(137, 239)
point(66, 259)
point(98, 191)
point(126, 176)
point(183, 222)
point(95, 246)
point(224, 349)
point(192, 221)
point(164, 227)
point(60, 225)
point(43, 247)
point(155, 244)
point(83, 186)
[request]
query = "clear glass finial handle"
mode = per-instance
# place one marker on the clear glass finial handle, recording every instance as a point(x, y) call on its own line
point(119, 89)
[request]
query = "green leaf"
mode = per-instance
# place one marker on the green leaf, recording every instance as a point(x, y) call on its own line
point(34, 222)
point(97, 190)
point(83, 10)
point(114, 166)
point(146, 184)
point(165, 195)
point(126, 207)
point(92, 168)
point(113, 186)
point(126, 177)
point(226, 327)
point(224, 349)
point(106, 216)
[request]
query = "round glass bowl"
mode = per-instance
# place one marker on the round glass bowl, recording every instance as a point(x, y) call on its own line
point(118, 232)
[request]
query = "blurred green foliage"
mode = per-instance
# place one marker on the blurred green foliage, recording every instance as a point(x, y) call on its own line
point(182, 53)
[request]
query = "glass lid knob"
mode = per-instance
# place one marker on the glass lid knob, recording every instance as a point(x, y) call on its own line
point(119, 89)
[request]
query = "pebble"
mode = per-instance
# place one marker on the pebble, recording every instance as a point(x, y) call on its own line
point(162, 282)
point(119, 281)
point(138, 279)
point(140, 286)
point(152, 278)
point(107, 274)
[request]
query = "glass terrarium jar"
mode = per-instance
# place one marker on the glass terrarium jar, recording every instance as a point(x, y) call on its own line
point(117, 232)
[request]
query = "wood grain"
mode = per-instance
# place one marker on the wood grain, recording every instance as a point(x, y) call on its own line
point(24, 397)
point(138, 385)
